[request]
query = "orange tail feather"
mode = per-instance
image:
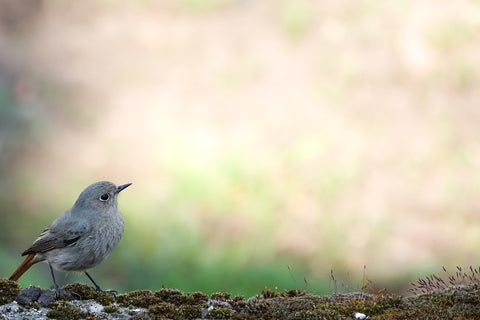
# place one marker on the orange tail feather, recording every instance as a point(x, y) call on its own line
point(24, 266)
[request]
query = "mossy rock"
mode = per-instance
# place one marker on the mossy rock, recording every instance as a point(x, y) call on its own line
point(220, 313)
point(176, 297)
point(138, 298)
point(164, 310)
point(85, 292)
point(62, 310)
point(8, 291)
point(458, 302)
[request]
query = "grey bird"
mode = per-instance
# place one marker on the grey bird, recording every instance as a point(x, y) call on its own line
point(81, 237)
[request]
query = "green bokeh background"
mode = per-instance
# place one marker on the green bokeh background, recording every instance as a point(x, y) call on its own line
point(268, 142)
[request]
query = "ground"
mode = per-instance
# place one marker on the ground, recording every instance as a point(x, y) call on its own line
point(456, 302)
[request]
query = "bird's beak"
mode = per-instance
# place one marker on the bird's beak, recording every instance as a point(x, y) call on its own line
point(123, 186)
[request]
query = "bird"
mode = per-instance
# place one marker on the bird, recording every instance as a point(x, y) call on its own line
point(82, 237)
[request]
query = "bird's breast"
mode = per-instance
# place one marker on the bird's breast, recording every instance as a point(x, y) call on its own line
point(91, 249)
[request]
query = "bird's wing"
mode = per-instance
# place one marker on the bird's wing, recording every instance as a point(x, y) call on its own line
point(58, 236)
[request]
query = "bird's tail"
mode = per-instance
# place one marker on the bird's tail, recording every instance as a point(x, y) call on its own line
point(24, 266)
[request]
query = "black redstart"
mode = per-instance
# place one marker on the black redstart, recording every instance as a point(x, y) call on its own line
point(81, 237)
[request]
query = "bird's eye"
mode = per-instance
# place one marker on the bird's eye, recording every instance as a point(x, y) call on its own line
point(104, 197)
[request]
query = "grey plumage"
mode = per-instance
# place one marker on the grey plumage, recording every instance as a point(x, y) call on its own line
point(81, 237)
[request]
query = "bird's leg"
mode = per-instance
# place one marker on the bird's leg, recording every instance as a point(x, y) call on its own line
point(57, 287)
point(97, 287)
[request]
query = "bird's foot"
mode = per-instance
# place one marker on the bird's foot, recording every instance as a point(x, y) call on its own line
point(97, 287)
point(113, 292)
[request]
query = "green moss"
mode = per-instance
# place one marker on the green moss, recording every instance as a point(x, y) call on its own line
point(186, 306)
point(164, 310)
point(283, 307)
point(198, 297)
point(191, 311)
point(172, 303)
point(457, 302)
point(8, 291)
point(85, 292)
point(166, 294)
point(451, 303)
point(220, 296)
point(267, 293)
point(138, 298)
point(220, 313)
point(454, 303)
point(293, 293)
point(242, 316)
point(238, 303)
point(89, 316)
point(62, 310)
point(173, 296)
point(111, 309)
point(177, 298)
point(33, 305)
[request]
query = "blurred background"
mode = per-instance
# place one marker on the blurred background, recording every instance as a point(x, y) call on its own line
point(268, 142)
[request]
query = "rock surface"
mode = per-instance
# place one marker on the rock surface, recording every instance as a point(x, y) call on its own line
point(459, 302)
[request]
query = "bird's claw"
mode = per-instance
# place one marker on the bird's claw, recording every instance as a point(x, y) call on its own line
point(113, 292)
